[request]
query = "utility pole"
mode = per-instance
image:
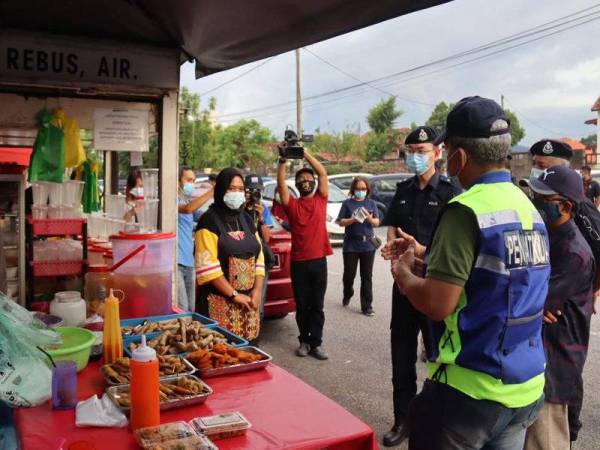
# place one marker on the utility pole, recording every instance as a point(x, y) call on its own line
point(502, 100)
point(298, 96)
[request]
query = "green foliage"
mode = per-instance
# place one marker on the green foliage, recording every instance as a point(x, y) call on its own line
point(340, 144)
point(437, 119)
point(379, 145)
point(242, 145)
point(590, 141)
point(383, 115)
point(517, 132)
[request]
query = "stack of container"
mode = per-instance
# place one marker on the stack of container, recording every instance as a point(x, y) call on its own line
point(57, 200)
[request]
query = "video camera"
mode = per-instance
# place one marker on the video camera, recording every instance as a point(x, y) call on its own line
point(255, 195)
point(293, 150)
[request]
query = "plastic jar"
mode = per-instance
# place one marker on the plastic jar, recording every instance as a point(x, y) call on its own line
point(69, 306)
point(98, 280)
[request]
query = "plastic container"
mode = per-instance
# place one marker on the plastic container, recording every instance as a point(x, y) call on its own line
point(49, 320)
point(115, 205)
point(147, 214)
point(69, 306)
point(222, 426)
point(144, 390)
point(150, 179)
point(149, 436)
point(55, 191)
point(95, 256)
point(40, 191)
point(39, 212)
point(112, 342)
point(76, 346)
point(72, 190)
point(55, 212)
point(64, 385)
point(97, 284)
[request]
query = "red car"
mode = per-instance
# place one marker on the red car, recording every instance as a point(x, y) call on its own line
point(280, 296)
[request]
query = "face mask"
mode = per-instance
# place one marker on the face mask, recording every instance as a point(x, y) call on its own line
point(550, 212)
point(360, 195)
point(417, 163)
point(189, 189)
point(306, 188)
point(234, 200)
point(137, 192)
point(535, 172)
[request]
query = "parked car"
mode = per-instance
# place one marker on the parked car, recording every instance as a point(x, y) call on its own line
point(280, 295)
point(383, 188)
point(334, 203)
point(344, 180)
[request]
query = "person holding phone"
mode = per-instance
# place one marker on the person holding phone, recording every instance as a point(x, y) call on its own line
point(359, 214)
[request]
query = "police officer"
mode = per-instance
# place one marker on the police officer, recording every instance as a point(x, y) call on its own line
point(547, 153)
point(414, 210)
point(484, 290)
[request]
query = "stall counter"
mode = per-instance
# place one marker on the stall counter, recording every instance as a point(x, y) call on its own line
point(285, 413)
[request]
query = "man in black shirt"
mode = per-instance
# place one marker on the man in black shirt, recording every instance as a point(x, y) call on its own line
point(590, 186)
point(414, 210)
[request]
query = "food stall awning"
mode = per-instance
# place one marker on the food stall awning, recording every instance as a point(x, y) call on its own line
point(218, 35)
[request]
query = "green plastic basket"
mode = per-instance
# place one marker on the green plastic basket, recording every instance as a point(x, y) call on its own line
point(76, 346)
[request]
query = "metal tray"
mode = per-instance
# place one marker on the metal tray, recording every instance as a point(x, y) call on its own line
point(190, 371)
point(114, 391)
point(238, 368)
point(205, 321)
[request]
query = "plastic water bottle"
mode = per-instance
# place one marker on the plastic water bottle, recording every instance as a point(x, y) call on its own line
point(145, 398)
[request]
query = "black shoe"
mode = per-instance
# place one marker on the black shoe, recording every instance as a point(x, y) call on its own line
point(395, 436)
point(369, 312)
point(345, 301)
point(319, 353)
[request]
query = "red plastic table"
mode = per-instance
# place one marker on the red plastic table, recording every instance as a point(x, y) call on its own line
point(285, 413)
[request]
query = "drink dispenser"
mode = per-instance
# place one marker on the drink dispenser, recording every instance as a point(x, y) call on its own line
point(146, 278)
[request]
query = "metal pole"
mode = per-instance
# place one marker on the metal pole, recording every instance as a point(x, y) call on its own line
point(502, 100)
point(298, 96)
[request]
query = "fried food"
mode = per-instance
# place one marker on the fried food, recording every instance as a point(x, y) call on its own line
point(188, 337)
point(222, 356)
point(180, 389)
point(119, 373)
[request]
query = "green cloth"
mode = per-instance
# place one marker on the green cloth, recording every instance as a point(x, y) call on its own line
point(91, 194)
point(48, 158)
point(455, 246)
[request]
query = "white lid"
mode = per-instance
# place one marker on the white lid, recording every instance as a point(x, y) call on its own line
point(143, 353)
point(67, 296)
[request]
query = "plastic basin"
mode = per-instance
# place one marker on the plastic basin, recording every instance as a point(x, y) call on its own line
point(76, 346)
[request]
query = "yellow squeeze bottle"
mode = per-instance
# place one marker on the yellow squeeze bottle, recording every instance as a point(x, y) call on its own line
point(112, 341)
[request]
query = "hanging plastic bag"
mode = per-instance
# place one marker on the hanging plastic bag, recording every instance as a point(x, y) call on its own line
point(47, 160)
point(25, 377)
point(91, 193)
point(74, 153)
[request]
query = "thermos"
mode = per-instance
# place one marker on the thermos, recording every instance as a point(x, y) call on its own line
point(145, 398)
point(112, 342)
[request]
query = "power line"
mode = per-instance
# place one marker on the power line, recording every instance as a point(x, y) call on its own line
point(238, 76)
point(475, 50)
point(541, 127)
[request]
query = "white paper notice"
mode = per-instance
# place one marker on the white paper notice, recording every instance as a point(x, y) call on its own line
point(121, 130)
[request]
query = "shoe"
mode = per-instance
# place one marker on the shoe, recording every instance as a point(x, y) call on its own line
point(395, 436)
point(345, 301)
point(319, 353)
point(303, 350)
point(369, 312)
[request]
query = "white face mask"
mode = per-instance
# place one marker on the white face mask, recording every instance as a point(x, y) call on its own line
point(137, 192)
point(234, 200)
point(535, 172)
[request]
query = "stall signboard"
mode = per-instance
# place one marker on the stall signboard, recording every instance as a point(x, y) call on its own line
point(118, 129)
point(43, 58)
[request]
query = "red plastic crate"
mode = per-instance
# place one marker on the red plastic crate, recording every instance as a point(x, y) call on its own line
point(57, 268)
point(57, 227)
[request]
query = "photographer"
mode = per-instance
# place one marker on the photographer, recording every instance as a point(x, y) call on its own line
point(310, 243)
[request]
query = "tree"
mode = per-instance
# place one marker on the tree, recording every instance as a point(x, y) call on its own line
point(243, 145)
point(382, 116)
point(590, 141)
point(437, 119)
point(196, 132)
point(517, 132)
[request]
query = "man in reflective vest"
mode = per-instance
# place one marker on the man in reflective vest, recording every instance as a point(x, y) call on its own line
point(485, 284)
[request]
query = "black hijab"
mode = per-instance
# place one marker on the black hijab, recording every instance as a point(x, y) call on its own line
point(221, 185)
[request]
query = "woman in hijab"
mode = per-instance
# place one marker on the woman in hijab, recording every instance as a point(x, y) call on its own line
point(229, 259)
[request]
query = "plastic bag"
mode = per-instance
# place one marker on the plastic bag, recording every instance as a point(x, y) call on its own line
point(25, 377)
point(48, 158)
point(74, 153)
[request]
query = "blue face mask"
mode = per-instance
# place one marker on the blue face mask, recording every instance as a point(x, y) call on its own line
point(189, 189)
point(360, 195)
point(418, 163)
point(550, 212)
point(535, 172)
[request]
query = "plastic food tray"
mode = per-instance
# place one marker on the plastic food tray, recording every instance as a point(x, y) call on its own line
point(196, 442)
point(149, 436)
point(190, 371)
point(114, 392)
point(209, 323)
point(222, 426)
point(238, 368)
point(232, 339)
point(57, 268)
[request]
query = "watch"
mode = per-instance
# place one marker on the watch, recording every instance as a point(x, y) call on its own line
point(282, 160)
point(233, 295)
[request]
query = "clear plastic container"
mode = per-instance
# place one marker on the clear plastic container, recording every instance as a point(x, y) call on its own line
point(40, 192)
point(150, 179)
point(39, 212)
point(189, 443)
point(72, 190)
point(147, 214)
point(55, 191)
point(149, 436)
point(64, 385)
point(98, 281)
point(115, 206)
point(222, 426)
point(55, 212)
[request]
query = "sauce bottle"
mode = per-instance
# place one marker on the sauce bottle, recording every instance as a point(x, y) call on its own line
point(145, 399)
point(112, 342)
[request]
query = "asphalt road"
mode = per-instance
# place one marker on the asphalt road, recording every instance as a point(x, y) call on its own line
point(358, 372)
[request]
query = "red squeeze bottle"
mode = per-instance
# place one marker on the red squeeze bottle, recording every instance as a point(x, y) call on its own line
point(145, 399)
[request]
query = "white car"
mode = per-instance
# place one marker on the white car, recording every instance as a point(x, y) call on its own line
point(344, 180)
point(334, 203)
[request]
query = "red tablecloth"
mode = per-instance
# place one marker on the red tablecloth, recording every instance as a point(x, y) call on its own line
point(285, 413)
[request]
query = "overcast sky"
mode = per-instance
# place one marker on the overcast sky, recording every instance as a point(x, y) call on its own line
point(551, 84)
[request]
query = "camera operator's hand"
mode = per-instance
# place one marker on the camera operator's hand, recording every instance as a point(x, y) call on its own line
point(259, 208)
point(281, 148)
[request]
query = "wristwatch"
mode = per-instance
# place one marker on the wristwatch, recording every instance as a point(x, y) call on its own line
point(233, 295)
point(282, 160)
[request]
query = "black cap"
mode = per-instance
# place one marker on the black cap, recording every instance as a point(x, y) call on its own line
point(473, 117)
point(422, 135)
point(549, 147)
point(253, 181)
point(559, 180)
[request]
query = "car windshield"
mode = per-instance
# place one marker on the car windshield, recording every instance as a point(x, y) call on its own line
point(335, 194)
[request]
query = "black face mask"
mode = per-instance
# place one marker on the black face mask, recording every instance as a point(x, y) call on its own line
point(306, 188)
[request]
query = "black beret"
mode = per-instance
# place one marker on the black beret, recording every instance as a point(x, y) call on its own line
point(421, 135)
point(549, 147)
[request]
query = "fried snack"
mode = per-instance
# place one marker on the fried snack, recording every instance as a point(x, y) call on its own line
point(175, 326)
point(189, 337)
point(119, 373)
point(180, 389)
point(222, 356)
